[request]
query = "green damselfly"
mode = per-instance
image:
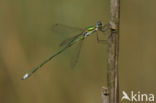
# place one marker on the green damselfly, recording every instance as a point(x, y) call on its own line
point(71, 41)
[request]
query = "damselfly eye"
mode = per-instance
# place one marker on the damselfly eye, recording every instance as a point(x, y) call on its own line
point(98, 23)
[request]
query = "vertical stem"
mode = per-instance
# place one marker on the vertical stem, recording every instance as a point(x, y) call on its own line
point(113, 52)
point(105, 95)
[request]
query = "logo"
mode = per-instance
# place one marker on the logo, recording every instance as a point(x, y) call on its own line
point(137, 97)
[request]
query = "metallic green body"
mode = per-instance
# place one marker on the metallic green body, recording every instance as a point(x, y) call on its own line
point(86, 32)
point(90, 28)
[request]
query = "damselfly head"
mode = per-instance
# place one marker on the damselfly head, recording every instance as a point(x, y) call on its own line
point(98, 24)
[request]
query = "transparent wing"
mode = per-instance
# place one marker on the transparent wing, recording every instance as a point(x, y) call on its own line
point(64, 29)
point(76, 55)
point(66, 41)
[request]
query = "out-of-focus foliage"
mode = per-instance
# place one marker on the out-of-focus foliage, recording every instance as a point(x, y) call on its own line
point(27, 38)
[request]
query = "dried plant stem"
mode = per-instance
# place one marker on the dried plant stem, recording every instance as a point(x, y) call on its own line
point(105, 95)
point(113, 51)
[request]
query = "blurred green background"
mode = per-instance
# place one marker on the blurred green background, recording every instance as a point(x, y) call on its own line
point(27, 38)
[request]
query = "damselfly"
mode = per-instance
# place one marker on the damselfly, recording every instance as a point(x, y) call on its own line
point(71, 41)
